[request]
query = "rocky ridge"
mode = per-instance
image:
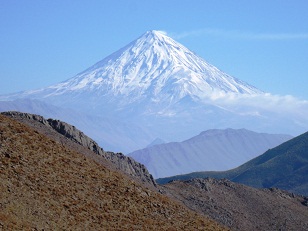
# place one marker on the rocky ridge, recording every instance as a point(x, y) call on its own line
point(126, 164)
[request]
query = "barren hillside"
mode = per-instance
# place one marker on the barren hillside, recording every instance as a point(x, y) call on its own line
point(241, 207)
point(47, 185)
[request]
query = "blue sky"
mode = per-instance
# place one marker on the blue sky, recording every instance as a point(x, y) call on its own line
point(264, 43)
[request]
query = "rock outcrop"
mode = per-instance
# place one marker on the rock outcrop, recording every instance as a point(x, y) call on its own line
point(125, 164)
point(74, 134)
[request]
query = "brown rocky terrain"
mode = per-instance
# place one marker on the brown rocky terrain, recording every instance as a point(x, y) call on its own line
point(242, 207)
point(55, 177)
point(47, 183)
point(76, 139)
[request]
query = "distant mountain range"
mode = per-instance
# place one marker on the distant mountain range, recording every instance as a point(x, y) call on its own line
point(154, 87)
point(285, 167)
point(210, 150)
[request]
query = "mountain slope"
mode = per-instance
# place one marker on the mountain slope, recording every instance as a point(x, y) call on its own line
point(285, 167)
point(241, 207)
point(64, 132)
point(211, 150)
point(45, 185)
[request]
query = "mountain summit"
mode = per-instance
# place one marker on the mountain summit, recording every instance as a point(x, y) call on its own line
point(153, 69)
point(156, 65)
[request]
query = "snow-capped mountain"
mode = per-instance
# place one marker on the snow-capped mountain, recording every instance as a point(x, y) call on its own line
point(212, 150)
point(153, 70)
point(159, 85)
point(155, 66)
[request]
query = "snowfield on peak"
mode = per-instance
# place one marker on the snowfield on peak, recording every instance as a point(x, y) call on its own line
point(154, 64)
point(154, 67)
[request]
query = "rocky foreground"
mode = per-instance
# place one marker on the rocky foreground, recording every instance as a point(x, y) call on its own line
point(45, 184)
point(54, 177)
point(242, 207)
